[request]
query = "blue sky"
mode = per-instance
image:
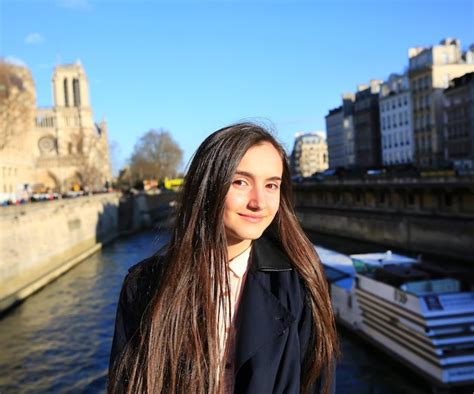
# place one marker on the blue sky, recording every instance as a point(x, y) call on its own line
point(194, 66)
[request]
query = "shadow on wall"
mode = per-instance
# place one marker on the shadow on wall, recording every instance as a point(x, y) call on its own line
point(143, 211)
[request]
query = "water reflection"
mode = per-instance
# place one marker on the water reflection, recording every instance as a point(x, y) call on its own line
point(59, 339)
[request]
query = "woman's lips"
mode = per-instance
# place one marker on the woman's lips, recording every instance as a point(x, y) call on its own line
point(252, 218)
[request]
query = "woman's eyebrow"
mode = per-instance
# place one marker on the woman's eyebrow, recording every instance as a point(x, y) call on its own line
point(249, 175)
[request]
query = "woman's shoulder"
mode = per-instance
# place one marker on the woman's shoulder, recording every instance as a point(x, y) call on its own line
point(150, 266)
point(138, 288)
point(141, 282)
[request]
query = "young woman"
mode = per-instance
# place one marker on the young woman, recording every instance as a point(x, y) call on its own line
point(239, 301)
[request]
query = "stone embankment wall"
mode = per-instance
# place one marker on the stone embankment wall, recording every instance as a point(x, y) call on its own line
point(444, 237)
point(146, 210)
point(41, 241)
point(431, 216)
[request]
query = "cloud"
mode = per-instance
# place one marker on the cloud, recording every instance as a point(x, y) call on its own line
point(81, 5)
point(34, 39)
point(14, 60)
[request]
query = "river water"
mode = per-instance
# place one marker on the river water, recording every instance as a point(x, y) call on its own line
point(58, 340)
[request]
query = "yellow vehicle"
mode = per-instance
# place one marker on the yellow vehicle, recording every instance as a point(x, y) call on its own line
point(173, 184)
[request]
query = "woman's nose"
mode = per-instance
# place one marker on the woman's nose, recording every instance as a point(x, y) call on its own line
point(256, 198)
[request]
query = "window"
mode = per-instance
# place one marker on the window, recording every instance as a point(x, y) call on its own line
point(66, 93)
point(446, 80)
point(382, 198)
point(448, 200)
point(444, 58)
point(76, 92)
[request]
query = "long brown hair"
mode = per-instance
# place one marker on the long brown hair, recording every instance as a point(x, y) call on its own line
point(178, 344)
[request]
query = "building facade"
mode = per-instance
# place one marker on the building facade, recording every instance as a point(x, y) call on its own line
point(395, 120)
point(459, 122)
point(430, 72)
point(348, 124)
point(335, 137)
point(310, 154)
point(58, 148)
point(367, 125)
point(340, 133)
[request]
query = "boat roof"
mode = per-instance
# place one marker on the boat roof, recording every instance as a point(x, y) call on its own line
point(382, 258)
point(336, 260)
point(338, 267)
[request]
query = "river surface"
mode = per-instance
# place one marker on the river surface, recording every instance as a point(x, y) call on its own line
point(58, 340)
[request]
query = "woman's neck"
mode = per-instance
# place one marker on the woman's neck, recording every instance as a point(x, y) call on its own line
point(234, 250)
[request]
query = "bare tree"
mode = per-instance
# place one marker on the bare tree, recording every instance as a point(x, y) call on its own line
point(114, 153)
point(90, 158)
point(155, 156)
point(16, 103)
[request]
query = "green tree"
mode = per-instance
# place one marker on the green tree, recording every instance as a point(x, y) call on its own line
point(155, 156)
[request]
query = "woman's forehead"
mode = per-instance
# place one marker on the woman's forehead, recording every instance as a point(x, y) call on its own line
point(262, 160)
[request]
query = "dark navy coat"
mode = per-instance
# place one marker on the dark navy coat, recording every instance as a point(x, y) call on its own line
point(273, 321)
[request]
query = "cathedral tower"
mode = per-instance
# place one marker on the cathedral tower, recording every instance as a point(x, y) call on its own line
point(73, 150)
point(70, 86)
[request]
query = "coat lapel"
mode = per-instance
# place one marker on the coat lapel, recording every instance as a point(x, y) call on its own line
point(261, 316)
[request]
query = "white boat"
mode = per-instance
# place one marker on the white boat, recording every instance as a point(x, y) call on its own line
point(405, 307)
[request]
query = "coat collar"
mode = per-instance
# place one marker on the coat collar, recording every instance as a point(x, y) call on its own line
point(267, 255)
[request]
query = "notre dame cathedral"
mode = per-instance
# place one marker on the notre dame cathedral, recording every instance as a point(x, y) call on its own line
point(59, 148)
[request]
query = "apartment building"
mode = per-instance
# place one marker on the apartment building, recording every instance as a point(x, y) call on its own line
point(367, 125)
point(430, 72)
point(310, 154)
point(459, 122)
point(340, 133)
point(396, 120)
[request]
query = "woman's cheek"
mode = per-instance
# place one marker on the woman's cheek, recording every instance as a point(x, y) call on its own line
point(275, 203)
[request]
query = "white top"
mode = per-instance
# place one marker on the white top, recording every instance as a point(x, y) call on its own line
point(237, 273)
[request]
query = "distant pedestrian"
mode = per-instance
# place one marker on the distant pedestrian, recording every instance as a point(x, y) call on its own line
point(237, 301)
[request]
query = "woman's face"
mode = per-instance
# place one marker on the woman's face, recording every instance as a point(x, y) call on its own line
point(254, 195)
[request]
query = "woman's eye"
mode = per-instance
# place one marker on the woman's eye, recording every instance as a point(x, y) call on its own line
point(273, 186)
point(240, 182)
